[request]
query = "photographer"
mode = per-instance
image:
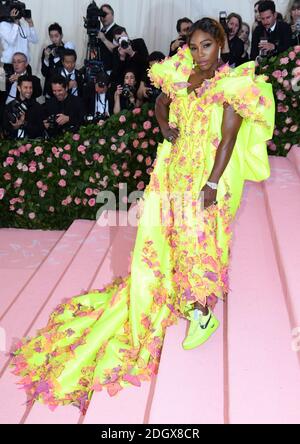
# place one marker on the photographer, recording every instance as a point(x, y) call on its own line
point(97, 99)
point(293, 18)
point(52, 55)
point(126, 95)
point(183, 26)
point(23, 117)
point(130, 55)
point(147, 92)
point(234, 49)
point(272, 36)
point(106, 36)
point(73, 75)
point(20, 67)
point(63, 112)
point(16, 33)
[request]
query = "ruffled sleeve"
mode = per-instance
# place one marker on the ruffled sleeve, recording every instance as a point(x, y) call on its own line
point(252, 98)
point(171, 74)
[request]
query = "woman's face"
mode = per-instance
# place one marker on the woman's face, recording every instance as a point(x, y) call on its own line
point(295, 13)
point(244, 33)
point(204, 49)
point(129, 79)
point(256, 13)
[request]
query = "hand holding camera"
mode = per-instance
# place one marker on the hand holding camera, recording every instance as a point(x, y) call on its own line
point(19, 122)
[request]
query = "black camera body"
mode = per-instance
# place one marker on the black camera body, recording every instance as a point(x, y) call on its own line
point(6, 6)
point(92, 22)
point(51, 120)
point(223, 20)
point(57, 51)
point(17, 109)
point(91, 70)
point(91, 119)
point(124, 42)
point(153, 93)
point(127, 91)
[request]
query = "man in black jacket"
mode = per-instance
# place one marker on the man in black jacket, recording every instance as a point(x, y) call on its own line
point(69, 71)
point(20, 68)
point(130, 55)
point(97, 98)
point(63, 112)
point(23, 117)
point(106, 37)
point(270, 37)
point(52, 55)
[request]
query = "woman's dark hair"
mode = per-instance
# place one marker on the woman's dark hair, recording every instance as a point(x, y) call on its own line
point(60, 80)
point(210, 26)
point(55, 27)
point(69, 52)
point(118, 31)
point(258, 3)
point(238, 17)
point(266, 6)
point(131, 71)
point(182, 20)
point(156, 56)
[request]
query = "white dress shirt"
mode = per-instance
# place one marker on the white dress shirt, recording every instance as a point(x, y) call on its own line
point(16, 38)
point(101, 104)
point(72, 75)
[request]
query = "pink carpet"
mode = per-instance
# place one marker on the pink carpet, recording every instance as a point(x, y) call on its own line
point(249, 372)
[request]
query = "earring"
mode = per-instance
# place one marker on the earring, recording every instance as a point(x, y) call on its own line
point(220, 52)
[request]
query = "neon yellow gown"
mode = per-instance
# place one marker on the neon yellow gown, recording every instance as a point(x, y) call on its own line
point(111, 338)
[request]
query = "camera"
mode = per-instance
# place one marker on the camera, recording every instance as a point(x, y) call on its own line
point(297, 26)
point(223, 20)
point(51, 120)
point(16, 111)
point(127, 91)
point(91, 119)
point(91, 22)
point(153, 93)
point(6, 6)
point(124, 42)
point(91, 70)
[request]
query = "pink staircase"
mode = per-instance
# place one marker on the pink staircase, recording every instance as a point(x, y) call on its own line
point(249, 372)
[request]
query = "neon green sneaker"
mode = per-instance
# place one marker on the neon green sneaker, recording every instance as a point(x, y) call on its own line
point(200, 330)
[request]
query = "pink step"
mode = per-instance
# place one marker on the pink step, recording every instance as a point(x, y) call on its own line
point(282, 193)
point(190, 384)
point(264, 375)
point(19, 321)
point(76, 280)
point(21, 254)
point(294, 157)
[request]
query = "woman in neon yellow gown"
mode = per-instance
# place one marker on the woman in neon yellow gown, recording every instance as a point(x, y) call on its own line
point(112, 338)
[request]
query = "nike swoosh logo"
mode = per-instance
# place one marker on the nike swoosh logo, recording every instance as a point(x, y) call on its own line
point(205, 326)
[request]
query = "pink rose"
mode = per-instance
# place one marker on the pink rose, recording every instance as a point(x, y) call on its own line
point(294, 128)
point(76, 137)
point(122, 119)
point(32, 169)
point(67, 147)
point(89, 192)
point(150, 113)
point(280, 95)
point(284, 60)
point(66, 157)
point(140, 158)
point(114, 166)
point(7, 176)
point(117, 173)
point(92, 202)
point(77, 201)
point(137, 111)
point(51, 209)
point(292, 55)
point(31, 216)
point(10, 161)
point(121, 133)
point(39, 184)
point(141, 135)
point(102, 142)
point(63, 172)
point(137, 174)
point(81, 149)
point(149, 161)
point(114, 147)
point(144, 145)
point(62, 183)
point(38, 150)
point(101, 159)
point(135, 143)
point(156, 130)
point(287, 146)
point(147, 125)
point(134, 126)
point(2, 193)
point(127, 174)
point(277, 74)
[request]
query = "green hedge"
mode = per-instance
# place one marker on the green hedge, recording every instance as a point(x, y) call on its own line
point(284, 74)
point(49, 184)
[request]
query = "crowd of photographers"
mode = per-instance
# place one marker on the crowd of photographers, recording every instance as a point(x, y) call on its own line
point(114, 76)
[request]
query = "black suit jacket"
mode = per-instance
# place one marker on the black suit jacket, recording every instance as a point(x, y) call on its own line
point(89, 98)
point(281, 37)
point(78, 77)
point(36, 84)
point(105, 54)
point(48, 71)
point(33, 127)
point(72, 106)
